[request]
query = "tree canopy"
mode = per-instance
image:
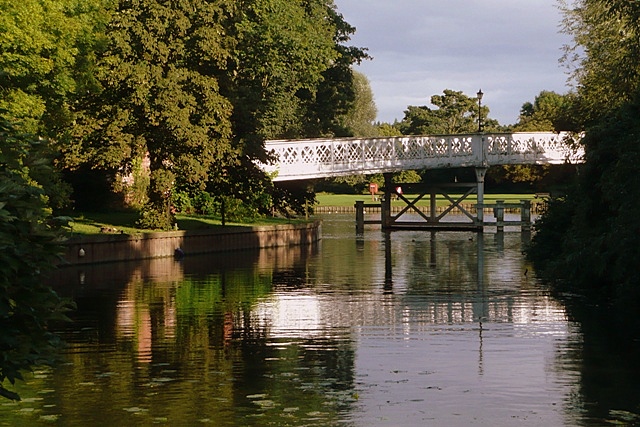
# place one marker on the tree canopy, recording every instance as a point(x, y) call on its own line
point(589, 238)
point(43, 50)
point(456, 113)
point(198, 86)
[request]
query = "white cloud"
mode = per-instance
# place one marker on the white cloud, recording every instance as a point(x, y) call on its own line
point(509, 48)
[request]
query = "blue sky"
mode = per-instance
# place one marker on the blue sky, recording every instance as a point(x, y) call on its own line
point(508, 48)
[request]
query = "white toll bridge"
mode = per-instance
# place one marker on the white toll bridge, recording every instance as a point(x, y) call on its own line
point(322, 158)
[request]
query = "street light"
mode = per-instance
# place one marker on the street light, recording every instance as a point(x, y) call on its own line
point(479, 95)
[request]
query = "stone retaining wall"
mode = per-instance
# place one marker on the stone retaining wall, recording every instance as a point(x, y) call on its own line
point(122, 247)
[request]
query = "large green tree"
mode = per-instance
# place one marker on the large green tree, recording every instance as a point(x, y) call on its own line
point(590, 238)
point(455, 113)
point(45, 52)
point(200, 85)
point(160, 96)
point(549, 112)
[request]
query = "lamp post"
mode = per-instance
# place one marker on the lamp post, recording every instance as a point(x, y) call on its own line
point(479, 95)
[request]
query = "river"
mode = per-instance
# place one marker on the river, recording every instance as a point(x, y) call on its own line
point(411, 328)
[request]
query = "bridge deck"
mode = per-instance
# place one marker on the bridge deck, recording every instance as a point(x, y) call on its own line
point(322, 158)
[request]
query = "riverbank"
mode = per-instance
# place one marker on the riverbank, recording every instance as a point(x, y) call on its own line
point(88, 249)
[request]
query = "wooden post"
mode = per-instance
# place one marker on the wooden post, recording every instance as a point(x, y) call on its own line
point(499, 213)
point(525, 215)
point(223, 209)
point(386, 203)
point(480, 173)
point(359, 216)
point(433, 206)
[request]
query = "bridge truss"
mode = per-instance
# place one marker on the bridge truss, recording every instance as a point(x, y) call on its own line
point(323, 158)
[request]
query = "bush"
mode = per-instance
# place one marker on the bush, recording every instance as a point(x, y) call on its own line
point(182, 202)
point(205, 204)
point(28, 236)
point(155, 217)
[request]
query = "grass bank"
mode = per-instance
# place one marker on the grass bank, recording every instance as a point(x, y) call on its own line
point(125, 222)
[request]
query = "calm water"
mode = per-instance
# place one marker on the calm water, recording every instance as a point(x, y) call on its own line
point(412, 329)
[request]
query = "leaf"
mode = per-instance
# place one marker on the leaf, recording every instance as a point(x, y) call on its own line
point(9, 394)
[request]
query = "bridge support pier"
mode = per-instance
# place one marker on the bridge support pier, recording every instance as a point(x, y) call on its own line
point(480, 174)
point(386, 218)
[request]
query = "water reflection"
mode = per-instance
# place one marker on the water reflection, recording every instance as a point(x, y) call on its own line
point(409, 328)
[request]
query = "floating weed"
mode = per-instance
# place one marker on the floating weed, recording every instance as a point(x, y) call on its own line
point(162, 380)
point(265, 404)
point(624, 416)
point(49, 418)
point(295, 409)
point(106, 374)
point(135, 410)
point(287, 374)
point(257, 396)
point(10, 403)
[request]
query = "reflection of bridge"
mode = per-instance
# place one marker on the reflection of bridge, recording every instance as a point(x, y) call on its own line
point(322, 158)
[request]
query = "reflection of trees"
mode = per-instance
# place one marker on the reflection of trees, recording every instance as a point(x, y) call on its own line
point(189, 330)
point(606, 361)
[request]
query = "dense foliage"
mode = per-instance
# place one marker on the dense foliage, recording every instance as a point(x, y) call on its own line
point(589, 239)
point(456, 113)
point(28, 250)
point(154, 98)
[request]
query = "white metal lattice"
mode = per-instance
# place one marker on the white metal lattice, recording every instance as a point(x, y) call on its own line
point(320, 158)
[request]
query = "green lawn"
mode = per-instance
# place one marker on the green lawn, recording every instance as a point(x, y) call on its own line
point(125, 222)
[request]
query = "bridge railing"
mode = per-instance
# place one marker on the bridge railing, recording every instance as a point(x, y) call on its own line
point(320, 158)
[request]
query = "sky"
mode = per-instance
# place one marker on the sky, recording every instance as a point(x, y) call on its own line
point(508, 48)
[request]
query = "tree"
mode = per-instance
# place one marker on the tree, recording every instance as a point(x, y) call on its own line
point(360, 119)
point(30, 248)
point(160, 95)
point(548, 113)
point(198, 86)
point(336, 99)
point(456, 113)
point(604, 56)
point(290, 77)
point(45, 52)
point(595, 224)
